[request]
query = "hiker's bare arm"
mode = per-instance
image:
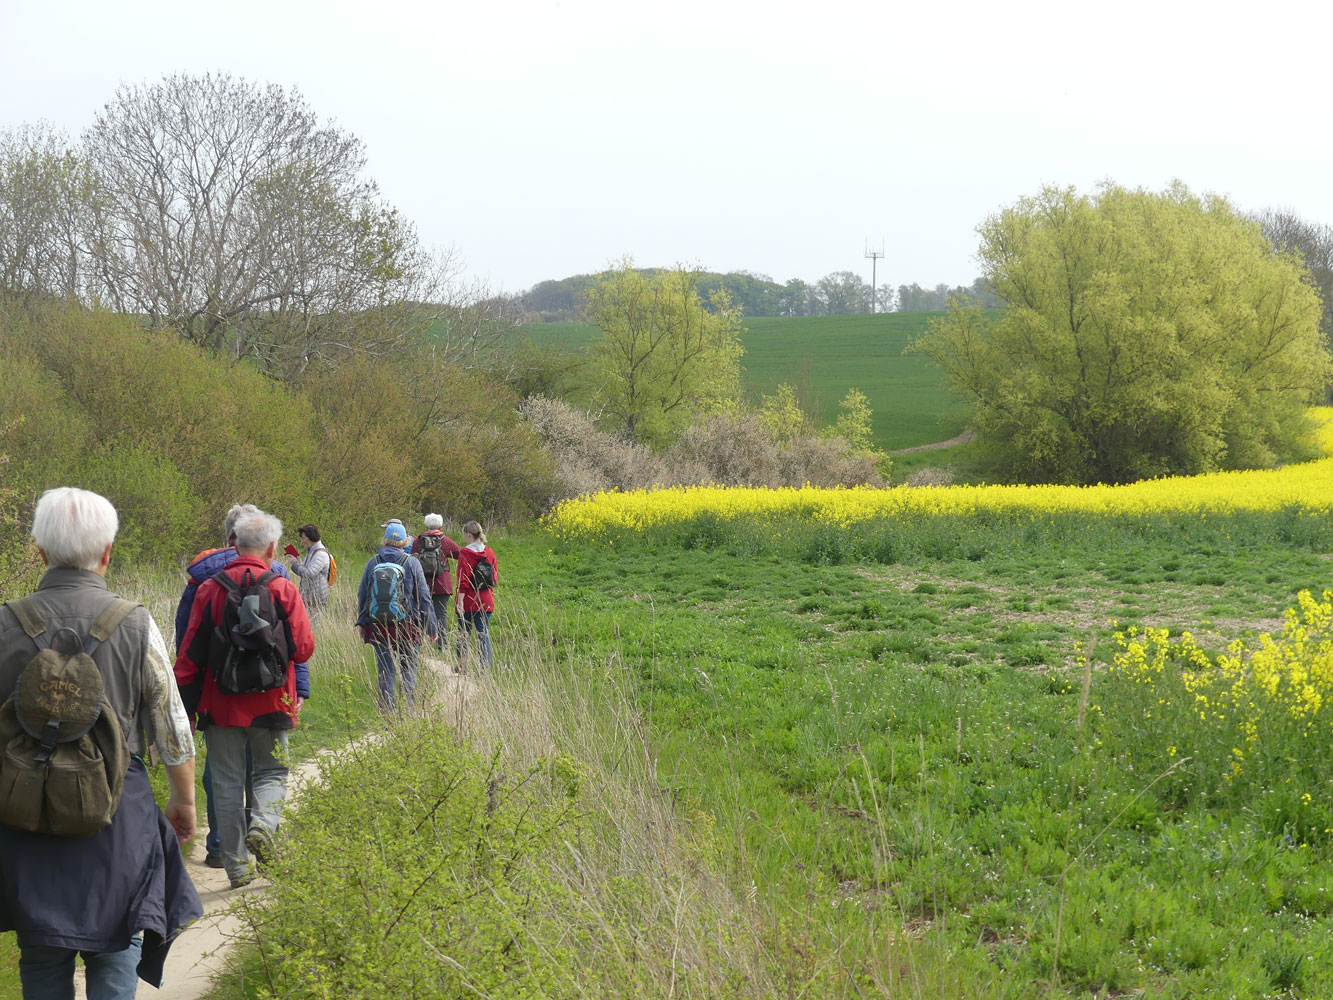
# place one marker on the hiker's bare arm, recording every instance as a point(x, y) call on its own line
point(180, 810)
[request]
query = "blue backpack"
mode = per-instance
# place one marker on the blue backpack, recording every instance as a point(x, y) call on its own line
point(388, 586)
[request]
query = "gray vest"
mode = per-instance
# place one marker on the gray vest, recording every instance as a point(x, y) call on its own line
point(73, 598)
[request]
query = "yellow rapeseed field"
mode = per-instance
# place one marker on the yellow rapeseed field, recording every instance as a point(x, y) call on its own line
point(1307, 487)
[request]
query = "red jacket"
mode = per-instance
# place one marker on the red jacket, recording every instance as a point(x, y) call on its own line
point(274, 709)
point(472, 601)
point(444, 583)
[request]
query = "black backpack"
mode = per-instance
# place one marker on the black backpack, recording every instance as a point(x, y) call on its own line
point(64, 756)
point(483, 574)
point(251, 641)
point(428, 552)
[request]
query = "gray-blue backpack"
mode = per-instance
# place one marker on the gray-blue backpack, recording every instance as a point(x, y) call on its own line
point(388, 590)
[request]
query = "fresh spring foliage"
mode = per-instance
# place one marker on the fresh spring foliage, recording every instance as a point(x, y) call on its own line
point(664, 356)
point(417, 870)
point(173, 436)
point(821, 357)
point(1146, 334)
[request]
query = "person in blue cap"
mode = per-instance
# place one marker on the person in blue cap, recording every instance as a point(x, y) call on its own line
point(394, 612)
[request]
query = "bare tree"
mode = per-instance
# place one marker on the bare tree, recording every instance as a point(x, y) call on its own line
point(233, 216)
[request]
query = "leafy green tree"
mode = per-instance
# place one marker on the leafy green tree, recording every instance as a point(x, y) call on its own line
point(853, 423)
point(664, 355)
point(781, 415)
point(1147, 334)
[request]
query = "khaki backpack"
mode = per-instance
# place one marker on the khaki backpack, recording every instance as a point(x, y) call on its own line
point(64, 760)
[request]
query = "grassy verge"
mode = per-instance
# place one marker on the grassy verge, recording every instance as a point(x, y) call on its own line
point(517, 842)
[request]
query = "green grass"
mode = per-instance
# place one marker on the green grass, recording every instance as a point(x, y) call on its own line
point(896, 742)
point(825, 356)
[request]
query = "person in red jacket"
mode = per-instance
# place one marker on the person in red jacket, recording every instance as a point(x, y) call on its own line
point(259, 720)
point(473, 601)
point(441, 584)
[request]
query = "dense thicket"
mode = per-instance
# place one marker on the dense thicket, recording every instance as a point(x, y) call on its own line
point(173, 435)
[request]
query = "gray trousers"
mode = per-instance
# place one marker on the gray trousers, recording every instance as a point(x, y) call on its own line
point(226, 756)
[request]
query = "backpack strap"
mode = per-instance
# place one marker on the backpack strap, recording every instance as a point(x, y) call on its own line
point(107, 622)
point(32, 622)
point(222, 579)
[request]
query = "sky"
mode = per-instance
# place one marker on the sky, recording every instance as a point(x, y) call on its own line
point(544, 138)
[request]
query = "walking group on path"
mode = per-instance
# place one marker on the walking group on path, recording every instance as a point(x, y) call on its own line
point(89, 864)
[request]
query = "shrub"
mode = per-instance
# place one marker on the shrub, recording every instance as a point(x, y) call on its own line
point(417, 871)
point(231, 432)
point(586, 459)
point(828, 462)
point(735, 448)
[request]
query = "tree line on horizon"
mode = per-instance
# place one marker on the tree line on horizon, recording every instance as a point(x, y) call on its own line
point(838, 293)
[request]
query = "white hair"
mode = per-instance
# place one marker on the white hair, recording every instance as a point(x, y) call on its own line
point(74, 527)
point(434, 521)
point(238, 511)
point(256, 532)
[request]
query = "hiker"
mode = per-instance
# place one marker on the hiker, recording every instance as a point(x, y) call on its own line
point(205, 565)
point(393, 610)
point(433, 549)
point(237, 675)
point(118, 896)
point(313, 570)
point(475, 599)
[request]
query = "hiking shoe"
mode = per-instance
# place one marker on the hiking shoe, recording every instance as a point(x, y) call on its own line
point(241, 881)
point(213, 860)
point(259, 842)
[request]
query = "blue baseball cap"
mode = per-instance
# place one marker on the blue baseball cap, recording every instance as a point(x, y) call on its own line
point(395, 532)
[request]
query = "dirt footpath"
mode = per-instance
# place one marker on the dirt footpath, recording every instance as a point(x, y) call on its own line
point(204, 949)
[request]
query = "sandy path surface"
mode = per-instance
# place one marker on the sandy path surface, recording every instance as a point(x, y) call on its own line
point(204, 950)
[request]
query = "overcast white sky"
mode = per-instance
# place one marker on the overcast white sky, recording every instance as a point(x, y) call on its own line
point(543, 138)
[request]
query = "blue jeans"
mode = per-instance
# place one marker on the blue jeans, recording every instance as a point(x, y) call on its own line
point(211, 843)
point(441, 604)
point(48, 973)
point(227, 748)
point(479, 622)
point(393, 657)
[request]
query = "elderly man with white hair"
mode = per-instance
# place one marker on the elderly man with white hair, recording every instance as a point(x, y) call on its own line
point(258, 717)
point(120, 896)
point(433, 549)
